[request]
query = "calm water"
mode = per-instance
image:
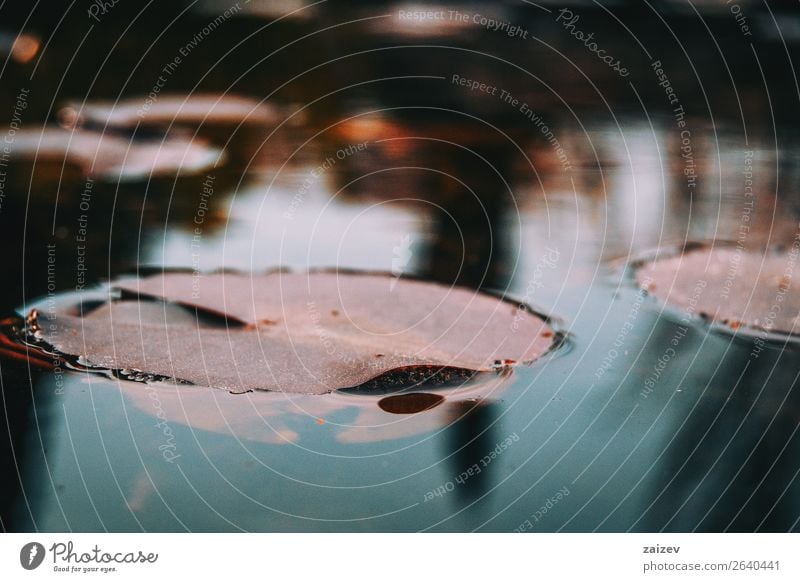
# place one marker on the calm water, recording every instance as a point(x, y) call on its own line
point(611, 432)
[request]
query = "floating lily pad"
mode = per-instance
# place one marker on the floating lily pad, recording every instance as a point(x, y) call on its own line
point(112, 157)
point(304, 333)
point(180, 110)
point(729, 286)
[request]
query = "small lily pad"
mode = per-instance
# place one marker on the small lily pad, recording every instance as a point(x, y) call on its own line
point(731, 287)
point(181, 110)
point(107, 156)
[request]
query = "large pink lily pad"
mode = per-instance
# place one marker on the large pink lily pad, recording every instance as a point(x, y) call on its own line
point(304, 333)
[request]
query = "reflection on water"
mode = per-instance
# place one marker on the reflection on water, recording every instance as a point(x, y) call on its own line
point(472, 442)
point(372, 157)
point(730, 461)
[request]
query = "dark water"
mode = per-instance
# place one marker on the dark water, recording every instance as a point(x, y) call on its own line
point(399, 169)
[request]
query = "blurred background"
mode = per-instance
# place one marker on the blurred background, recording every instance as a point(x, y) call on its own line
point(514, 146)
